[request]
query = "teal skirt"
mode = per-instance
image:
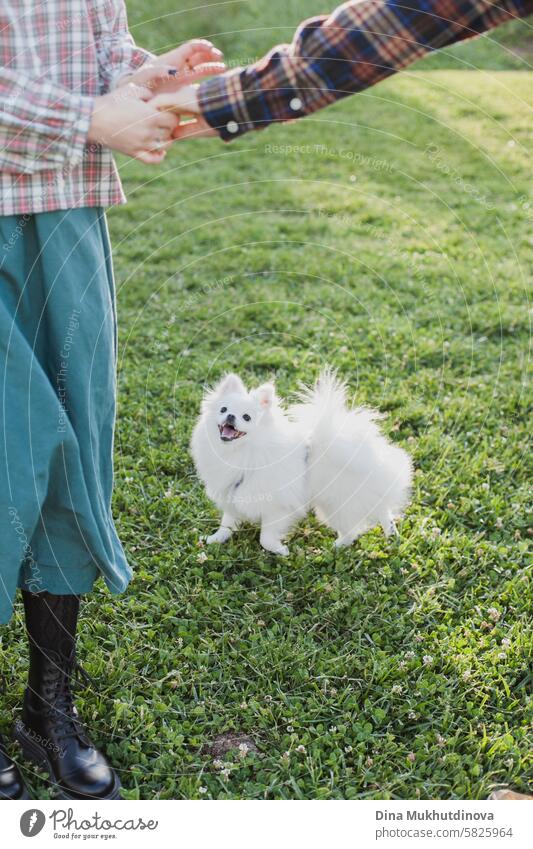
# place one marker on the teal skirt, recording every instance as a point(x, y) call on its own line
point(58, 391)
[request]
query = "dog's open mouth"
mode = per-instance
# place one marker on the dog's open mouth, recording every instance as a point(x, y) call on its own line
point(228, 432)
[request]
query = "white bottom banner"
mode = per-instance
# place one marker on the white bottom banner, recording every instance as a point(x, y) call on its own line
point(236, 824)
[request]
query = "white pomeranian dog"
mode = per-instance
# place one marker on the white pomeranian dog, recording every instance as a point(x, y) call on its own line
point(264, 465)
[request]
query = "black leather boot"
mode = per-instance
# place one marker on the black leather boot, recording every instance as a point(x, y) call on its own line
point(50, 732)
point(11, 782)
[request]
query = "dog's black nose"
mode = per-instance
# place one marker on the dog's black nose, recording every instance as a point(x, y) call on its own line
point(230, 418)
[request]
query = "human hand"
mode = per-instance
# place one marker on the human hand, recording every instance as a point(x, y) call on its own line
point(123, 121)
point(189, 63)
point(193, 60)
point(184, 102)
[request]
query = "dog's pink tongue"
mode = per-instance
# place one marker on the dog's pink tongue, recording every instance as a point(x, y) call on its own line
point(228, 431)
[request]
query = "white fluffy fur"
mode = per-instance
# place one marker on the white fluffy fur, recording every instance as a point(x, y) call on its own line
point(321, 456)
point(356, 478)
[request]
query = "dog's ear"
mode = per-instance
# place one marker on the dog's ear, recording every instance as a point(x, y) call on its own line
point(230, 384)
point(266, 395)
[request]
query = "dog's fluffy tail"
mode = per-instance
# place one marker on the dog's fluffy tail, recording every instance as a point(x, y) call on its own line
point(319, 406)
point(346, 441)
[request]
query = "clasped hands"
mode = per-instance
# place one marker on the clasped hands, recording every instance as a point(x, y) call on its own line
point(142, 116)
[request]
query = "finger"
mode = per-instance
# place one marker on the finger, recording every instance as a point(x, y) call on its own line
point(193, 129)
point(150, 157)
point(206, 54)
point(159, 145)
point(179, 55)
point(183, 101)
point(166, 121)
point(198, 44)
point(200, 71)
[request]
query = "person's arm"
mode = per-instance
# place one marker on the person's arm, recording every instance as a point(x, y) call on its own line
point(118, 55)
point(42, 124)
point(331, 57)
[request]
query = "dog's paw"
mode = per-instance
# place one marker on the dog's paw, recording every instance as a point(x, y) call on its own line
point(277, 548)
point(391, 531)
point(345, 541)
point(222, 535)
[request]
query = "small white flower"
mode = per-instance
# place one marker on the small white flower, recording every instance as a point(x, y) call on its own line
point(268, 698)
point(402, 664)
point(333, 729)
point(499, 522)
point(409, 655)
point(502, 655)
point(427, 660)
point(218, 764)
point(243, 750)
point(506, 642)
point(411, 757)
point(411, 714)
point(435, 532)
point(286, 756)
point(440, 740)
point(290, 729)
point(348, 749)
point(397, 689)
point(301, 749)
point(202, 557)
point(466, 674)
point(494, 614)
point(369, 761)
point(226, 773)
point(202, 790)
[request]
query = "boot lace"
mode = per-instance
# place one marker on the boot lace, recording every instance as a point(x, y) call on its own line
point(64, 675)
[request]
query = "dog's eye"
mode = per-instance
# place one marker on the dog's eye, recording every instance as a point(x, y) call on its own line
point(246, 417)
point(223, 409)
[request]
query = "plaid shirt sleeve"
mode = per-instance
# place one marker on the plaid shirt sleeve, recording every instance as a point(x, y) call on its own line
point(117, 52)
point(43, 125)
point(358, 45)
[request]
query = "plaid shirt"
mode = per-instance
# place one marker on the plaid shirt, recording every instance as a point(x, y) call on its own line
point(56, 56)
point(361, 43)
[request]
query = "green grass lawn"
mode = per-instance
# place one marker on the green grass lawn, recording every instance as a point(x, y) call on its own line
point(392, 237)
